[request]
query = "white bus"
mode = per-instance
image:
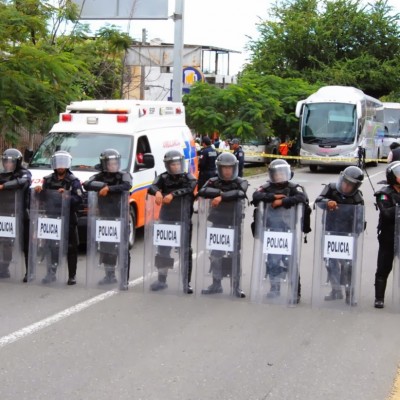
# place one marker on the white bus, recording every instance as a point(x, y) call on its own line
point(389, 115)
point(334, 122)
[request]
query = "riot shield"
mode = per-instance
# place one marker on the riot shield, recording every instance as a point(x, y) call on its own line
point(167, 253)
point(396, 263)
point(49, 223)
point(276, 255)
point(337, 255)
point(107, 241)
point(11, 235)
point(219, 244)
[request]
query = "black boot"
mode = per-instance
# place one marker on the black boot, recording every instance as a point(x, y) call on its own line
point(160, 284)
point(51, 275)
point(350, 297)
point(335, 294)
point(275, 291)
point(380, 287)
point(109, 279)
point(214, 288)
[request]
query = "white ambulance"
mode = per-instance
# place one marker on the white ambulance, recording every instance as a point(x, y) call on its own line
point(142, 131)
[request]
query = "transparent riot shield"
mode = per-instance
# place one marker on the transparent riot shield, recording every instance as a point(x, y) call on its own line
point(219, 244)
point(167, 253)
point(11, 235)
point(396, 263)
point(49, 222)
point(107, 241)
point(276, 255)
point(337, 255)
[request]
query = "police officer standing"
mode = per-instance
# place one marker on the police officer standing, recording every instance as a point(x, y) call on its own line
point(239, 154)
point(15, 177)
point(386, 199)
point(109, 182)
point(225, 191)
point(172, 189)
point(62, 179)
point(279, 192)
point(207, 157)
point(344, 191)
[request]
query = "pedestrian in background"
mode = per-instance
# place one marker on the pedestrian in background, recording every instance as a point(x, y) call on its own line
point(207, 157)
point(239, 154)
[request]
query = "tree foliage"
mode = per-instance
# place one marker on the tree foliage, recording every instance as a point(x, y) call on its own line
point(48, 59)
point(338, 42)
point(257, 107)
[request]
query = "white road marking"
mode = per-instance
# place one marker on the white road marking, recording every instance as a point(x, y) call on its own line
point(44, 323)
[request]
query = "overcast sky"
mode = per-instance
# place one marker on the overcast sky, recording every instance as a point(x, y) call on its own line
point(219, 23)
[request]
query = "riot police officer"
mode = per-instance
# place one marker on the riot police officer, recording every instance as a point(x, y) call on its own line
point(279, 192)
point(207, 158)
point(109, 182)
point(239, 154)
point(344, 191)
point(62, 179)
point(171, 189)
point(386, 199)
point(225, 190)
point(15, 177)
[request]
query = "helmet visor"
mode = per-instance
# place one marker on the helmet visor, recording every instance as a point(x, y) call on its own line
point(280, 173)
point(62, 161)
point(175, 165)
point(9, 164)
point(111, 164)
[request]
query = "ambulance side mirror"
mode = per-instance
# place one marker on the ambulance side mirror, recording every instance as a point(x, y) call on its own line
point(28, 154)
point(148, 160)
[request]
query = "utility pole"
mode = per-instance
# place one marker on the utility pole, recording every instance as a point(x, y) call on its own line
point(142, 68)
point(178, 51)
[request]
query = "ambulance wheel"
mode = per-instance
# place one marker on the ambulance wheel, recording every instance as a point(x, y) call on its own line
point(132, 227)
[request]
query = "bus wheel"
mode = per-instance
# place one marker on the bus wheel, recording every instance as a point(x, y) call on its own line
point(132, 227)
point(313, 168)
point(375, 163)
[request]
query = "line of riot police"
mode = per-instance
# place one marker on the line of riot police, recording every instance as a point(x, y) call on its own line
point(46, 221)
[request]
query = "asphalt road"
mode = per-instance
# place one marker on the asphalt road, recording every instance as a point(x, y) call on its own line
point(77, 343)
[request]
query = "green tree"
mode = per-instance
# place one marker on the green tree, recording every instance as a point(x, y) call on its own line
point(44, 66)
point(257, 107)
point(331, 42)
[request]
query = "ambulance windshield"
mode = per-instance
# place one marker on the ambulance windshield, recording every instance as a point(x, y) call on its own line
point(85, 149)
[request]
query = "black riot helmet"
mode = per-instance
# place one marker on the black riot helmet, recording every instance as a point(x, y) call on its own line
point(12, 160)
point(227, 160)
point(349, 181)
point(171, 160)
point(61, 159)
point(393, 172)
point(279, 171)
point(110, 161)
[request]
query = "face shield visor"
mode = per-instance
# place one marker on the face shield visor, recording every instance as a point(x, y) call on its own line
point(175, 165)
point(61, 161)
point(280, 173)
point(9, 164)
point(346, 185)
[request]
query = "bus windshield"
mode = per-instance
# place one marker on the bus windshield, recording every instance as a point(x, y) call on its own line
point(329, 123)
point(85, 149)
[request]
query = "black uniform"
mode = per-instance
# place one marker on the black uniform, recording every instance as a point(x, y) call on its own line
point(295, 194)
point(207, 169)
point(181, 186)
point(20, 179)
point(117, 182)
point(72, 183)
point(232, 192)
point(339, 271)
point(239, 154)
point(386, 199)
